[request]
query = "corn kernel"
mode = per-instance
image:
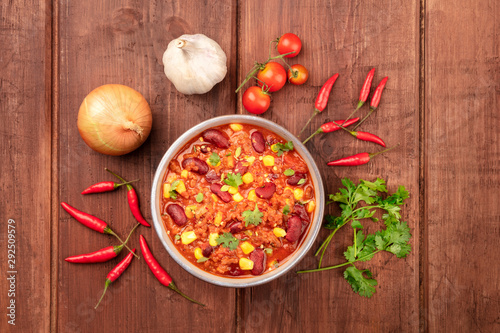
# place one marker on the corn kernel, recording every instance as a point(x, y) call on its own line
point(189, 210)
point(252, 196)
point(268, 160)
point(230, 162)
point(288, 188)
point(232, 190)
point(214, 198)
point(237, 153)
point(238, 197)
point(188, 237)
point(218, 218)
point(246, 247)
point(212, 239)
point(310, 206)
point(251, 159)
point(236, 127)
point(184, 174)
point(246, 264)
point(198, 253)
point(166, 191)
point(247, 178)
point(298, 194)
point(181, 188)
point(278, 232)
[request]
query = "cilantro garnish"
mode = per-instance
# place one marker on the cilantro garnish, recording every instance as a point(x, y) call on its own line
point(394, 238)
point(173, 186)
point(252, 216)
point(280, 148)
point(301, 181)
point(227, 240)
point(199, 197)
point(214, 159)
point(233, 180)
point(286, 210)
point(289, 172)
point(202, 259)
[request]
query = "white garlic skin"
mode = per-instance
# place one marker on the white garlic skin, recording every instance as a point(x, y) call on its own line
point(194, 63)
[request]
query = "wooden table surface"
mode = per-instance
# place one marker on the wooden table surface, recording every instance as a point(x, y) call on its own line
point(441, 103)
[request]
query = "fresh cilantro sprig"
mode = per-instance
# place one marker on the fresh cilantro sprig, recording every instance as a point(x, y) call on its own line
point(214, 159)
point(394, 238)
point(233, 180)
point(252, 216)
point(227, 240)
point(173, 186)
point(279, 148)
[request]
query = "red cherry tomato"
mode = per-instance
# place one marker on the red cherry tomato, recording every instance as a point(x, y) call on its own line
point(289, 42)
point(273, 75)
point(255, 100)
point(298, 75)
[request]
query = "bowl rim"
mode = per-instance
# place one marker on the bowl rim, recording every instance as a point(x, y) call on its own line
point(292, 260)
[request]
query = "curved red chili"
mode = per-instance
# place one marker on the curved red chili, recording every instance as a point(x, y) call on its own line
point(133, 201)
point(365, 89)
point(115, 273)
point(331, 127)
point(377, 95)
point(158, 271)
point(91, 222)
point(322, 98)
point(104, 187)
point(358, 159)
point(101, 255)
point(365, 136)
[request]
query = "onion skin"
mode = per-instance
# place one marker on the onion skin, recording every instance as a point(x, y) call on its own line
point(114, 119)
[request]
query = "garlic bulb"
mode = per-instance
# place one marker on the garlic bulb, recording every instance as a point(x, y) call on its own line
point(194, 63)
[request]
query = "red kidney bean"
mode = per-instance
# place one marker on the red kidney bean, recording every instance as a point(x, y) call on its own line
point(266, 191)
point(235, 270)
point(224, 196)
point(235, 227)
point(240, 168)
point(204, 149)
point(293, 180)
point(216, 137)
point(301, 212)
point(212, 176)
point(196, 165)
point(259, 261)
point(258, 142)
point(206, 249)
point(177, 214)
point(294, 229)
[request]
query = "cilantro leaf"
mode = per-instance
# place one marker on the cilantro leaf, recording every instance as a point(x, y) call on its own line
point(359, 283)
point(280, 148)
point(289, 172)
point(233, 180)
point(173, 186)
point(378, 185)
point(227, 240)
point(252, 217)
point(286, 210)
point(214, 159)
point(202, 259)
point(301, 181)
point(333, 222)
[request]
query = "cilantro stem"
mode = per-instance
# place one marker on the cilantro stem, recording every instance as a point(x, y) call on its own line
point(355, 250)
point(337, 266)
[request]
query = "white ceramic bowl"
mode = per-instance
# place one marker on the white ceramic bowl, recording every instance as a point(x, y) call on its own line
point(238, 282)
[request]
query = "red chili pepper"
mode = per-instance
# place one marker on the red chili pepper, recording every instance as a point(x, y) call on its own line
point(91, 222)
point(365, 136)
point(358, 159)
point(331, 127)
point(115, 273)
point(159, 272)
point(133, 201)
point(365, 91)
point(101, 255)
point(377, 95)
point(104, 187)
point(322, 98)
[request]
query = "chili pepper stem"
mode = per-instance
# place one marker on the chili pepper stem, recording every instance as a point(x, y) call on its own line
point(316, 111)
point(362, 120)
point(309, 138)
point(126, 183)
point(174, 288)
point(111, 232)
point(382, 151)
point(114, 174)
point(360, 104)
point(108, 282)
point(345, 129)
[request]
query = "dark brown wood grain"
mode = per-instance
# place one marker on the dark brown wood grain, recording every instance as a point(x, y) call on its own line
point(117, 42)
point(441, 104)
point(462, 165)
point(25, 148)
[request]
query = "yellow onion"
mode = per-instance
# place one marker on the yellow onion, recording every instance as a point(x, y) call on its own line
point(114, 119)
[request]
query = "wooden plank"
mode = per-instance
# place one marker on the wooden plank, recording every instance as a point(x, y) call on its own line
point(462, 165)
point(25, 169)
point(109, 42)
point(349, 38)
